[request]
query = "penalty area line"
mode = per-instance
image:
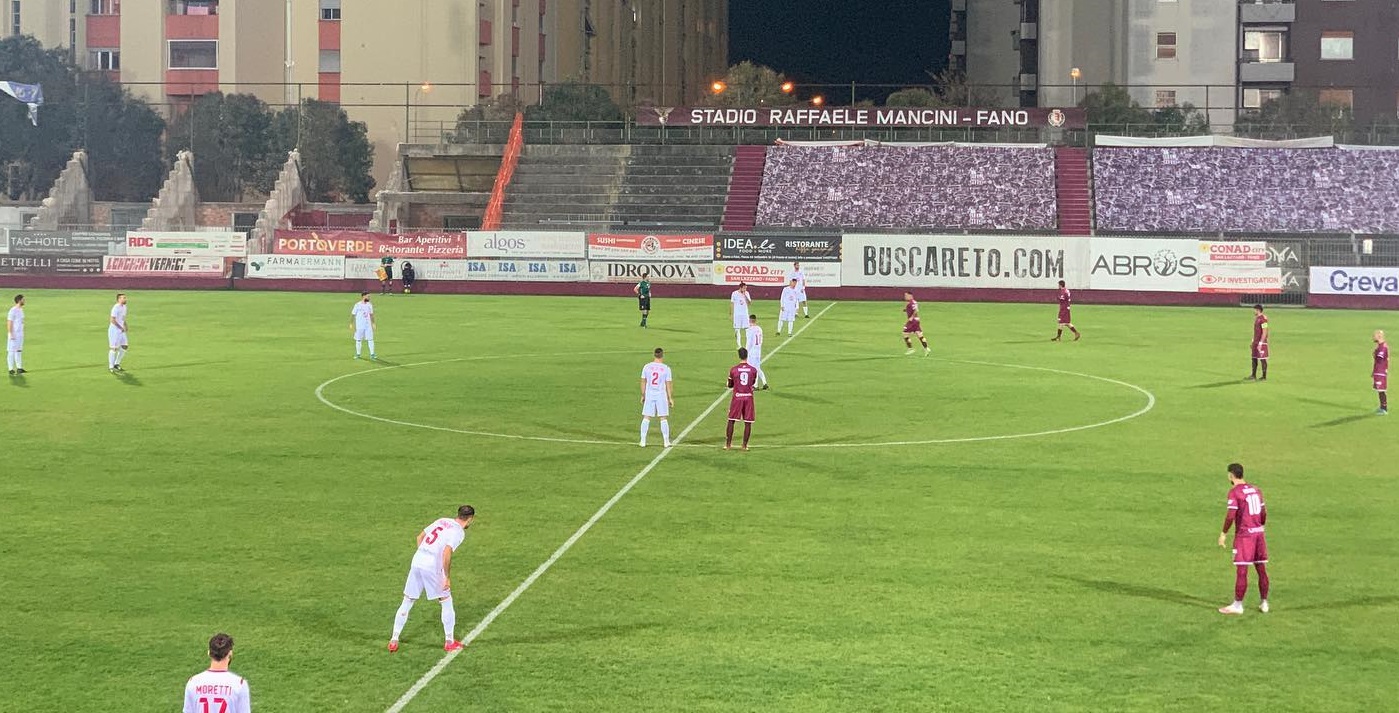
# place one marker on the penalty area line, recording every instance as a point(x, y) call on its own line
point(573, 539)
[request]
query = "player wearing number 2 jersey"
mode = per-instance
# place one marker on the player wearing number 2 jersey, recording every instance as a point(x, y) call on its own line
point(431, 572)
point(742, 378)
point(1247, 514)
point(656, 396)
point(218, 690)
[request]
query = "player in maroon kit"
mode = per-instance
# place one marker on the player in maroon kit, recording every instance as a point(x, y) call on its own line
point(1381, 371)
point(742, 378)
point(1246, 514)
point(913, 326)
point(1065, 303)
point(1260, 343)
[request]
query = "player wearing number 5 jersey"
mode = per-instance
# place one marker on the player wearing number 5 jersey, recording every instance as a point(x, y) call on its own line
point(742, 378)
point(656, 396)
point(1247, 514)
point(218, 690)
point(431, 573)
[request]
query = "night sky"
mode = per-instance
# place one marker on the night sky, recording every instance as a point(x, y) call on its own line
point(840, 41)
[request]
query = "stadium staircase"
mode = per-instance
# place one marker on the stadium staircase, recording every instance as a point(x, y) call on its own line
point(637, 188)
point(1071, 191)
point(741, 210)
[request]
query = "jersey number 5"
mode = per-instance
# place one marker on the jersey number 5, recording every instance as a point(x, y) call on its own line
point(1255, 504)
point(214, 705)
point(432, 536)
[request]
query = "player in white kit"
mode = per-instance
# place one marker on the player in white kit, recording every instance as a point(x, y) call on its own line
point(791, 299)
point(362, 322)
point(755, 348)
point(218, 690)
point(739, 302)
point(800, 277)
point(656, 396)
point(431, 573)
point(116, 335)
point(14, 333)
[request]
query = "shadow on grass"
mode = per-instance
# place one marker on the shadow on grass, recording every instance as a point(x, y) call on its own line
point(1139, 591)
point(126, 378)
point(1342, 420)
point(582, 633)
point(790, 395)
point(1222, 384)
point(1329, 404)
point(187, 365)
point(1357, 603)
point(19, 380)
point(1046, 340)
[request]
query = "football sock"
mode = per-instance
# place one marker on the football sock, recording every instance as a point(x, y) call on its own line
point(1262, 580)
point(645, 428)
point(1059, 334)
point(449, 618)
point(665, 430)
point(1255, 368)
point(121, 354)
point(1384, 401)
point(729, 434)
point(402, 617)
point(924, 342)
point(10, 360)
point(19, 360)
point(762, 376)
point(908, 342)
point(1240, 582)
point(1265, 367)
point(738, 335)
point(372, 351)
point(747, 432)
point(806, 310)
point(359, 347)
point(1075, 331)
point(111, 358)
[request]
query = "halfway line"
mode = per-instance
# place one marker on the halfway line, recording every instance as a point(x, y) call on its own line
point(563, 549)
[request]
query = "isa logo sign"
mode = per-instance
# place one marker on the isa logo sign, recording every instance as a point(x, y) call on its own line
point(1374, 281)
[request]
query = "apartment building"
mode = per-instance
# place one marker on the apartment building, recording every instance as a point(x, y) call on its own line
point(405, 67)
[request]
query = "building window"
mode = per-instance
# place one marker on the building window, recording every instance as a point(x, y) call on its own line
point(1165, 98)
point(1256, 98)
point(330, 9)
point(14, 18)
point(194, 7)
point(1339, 98)
point(1165, 45)
point(1265, 46)
point(1338, 44)
point(330, 61)
point(104, 7)
point(194, 54)
point(104, 60)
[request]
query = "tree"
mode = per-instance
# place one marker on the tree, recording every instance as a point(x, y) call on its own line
point(1297, 113)
point(1112, 107)
point(916, 97)
point(1183, 120)
point(571, 101)
point(336, 155)
point(749, 85)
point(123, 143)
point(955, 91)
point(231, 137)
point(40, 152)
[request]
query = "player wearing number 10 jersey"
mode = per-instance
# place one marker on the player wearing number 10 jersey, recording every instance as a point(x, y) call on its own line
point(218, 690)
point(1247, 513)
point(742, 378)
point(431, 573)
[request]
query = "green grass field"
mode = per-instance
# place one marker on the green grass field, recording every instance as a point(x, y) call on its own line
point(211, 490)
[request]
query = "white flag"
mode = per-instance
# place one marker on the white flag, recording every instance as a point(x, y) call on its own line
point(31, 94)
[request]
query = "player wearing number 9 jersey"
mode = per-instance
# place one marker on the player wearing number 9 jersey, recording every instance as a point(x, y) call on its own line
point(1247, 514)
point(431, 573)
point(218, 690)
point(742, 378)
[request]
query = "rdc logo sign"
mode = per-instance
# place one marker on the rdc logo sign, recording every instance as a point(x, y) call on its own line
point(140, 242)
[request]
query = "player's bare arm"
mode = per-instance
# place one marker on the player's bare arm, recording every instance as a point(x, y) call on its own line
point(669, 395)
point(419, 542)
point(643, 390)
point(446, 568)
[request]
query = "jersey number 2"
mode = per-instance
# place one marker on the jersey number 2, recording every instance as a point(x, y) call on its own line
point(655, 378)
point(214, 705)
point(1255, 504)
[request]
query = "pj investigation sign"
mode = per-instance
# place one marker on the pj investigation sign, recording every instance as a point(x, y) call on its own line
point(1015, 262)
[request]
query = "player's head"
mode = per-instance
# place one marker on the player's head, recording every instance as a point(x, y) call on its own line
point(121, 298)
point(796, 266)
point(792, 282)
point(1062, 285)
point(752, 319)
point(364, 296)
point(908, 296)
point(1379, 336)
point(465, 514)
point(1236, 473)
point(645, 274)
point(1258, 309)
point(220, 647)
point(743, 287)
point(659, 353)
point(19, 300)
point(742, 354)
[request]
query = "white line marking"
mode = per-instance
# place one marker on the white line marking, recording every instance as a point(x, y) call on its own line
point(563, 549)
point(1150, 404)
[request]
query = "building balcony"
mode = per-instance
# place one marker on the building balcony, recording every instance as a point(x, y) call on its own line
point(1272, 11)
point(193, 7)
point(104, 30)
point(485, 32)
point(192, 27)
point(1267, 72)
point(483, 88)
point(191, 82)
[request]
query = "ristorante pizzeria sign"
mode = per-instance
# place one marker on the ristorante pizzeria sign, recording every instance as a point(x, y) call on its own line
point(853, 116)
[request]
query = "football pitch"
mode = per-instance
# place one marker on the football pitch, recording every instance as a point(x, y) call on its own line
point(1009, 525)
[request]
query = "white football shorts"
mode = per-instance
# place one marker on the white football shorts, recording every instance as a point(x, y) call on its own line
point(15, 345)
point(741, 321)
point(116, 337)
point(363, 333)
point(755, 357)
point(801, 295)
point(787, 315)
point(425, 581)
point(656, 407)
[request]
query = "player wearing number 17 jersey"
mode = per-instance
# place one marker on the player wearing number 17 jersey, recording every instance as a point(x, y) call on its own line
point(742, 378)
point(1246, 514)
point(218, 690)
point(431, 573)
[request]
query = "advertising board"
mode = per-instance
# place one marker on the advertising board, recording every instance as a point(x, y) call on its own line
point(1013, 261)
point(210, 244)
point(681, 273)
point(1369, 281)
point(296, 267)
point(169, 266)
point(526, 244)
point(774, 274)
point(1144, 264)
point(668, 248)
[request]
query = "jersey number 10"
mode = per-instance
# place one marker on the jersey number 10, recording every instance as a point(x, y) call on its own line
point(1255, 504)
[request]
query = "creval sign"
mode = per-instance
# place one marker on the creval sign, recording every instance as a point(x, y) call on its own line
point(1374, 281)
